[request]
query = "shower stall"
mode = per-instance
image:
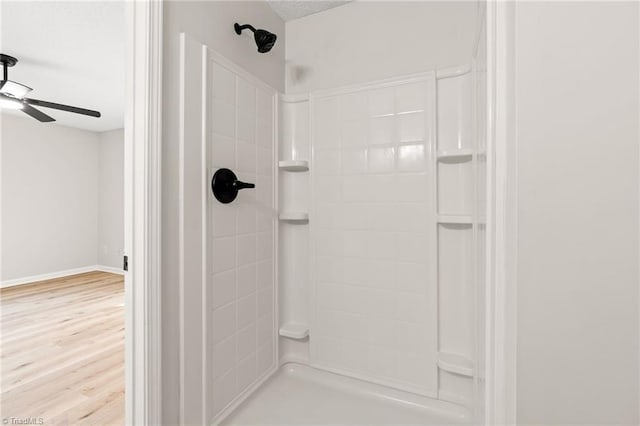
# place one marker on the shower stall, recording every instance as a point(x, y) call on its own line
point(347, 286)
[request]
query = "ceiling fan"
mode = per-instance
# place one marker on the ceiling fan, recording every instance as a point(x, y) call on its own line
point(12, 96)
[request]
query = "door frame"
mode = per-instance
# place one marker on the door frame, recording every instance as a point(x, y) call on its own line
point(142, 193)
point(143, 130)
point(502, 202)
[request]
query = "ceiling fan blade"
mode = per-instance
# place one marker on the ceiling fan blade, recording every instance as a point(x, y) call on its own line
point(68, 108)
point(38, 115)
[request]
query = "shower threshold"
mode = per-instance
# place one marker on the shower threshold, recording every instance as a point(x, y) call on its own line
point(302, 395)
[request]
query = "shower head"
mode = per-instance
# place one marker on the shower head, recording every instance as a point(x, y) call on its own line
point(264, 39)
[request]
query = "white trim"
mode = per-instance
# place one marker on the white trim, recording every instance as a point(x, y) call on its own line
point(275, 118)
point(639, 210)
point(192, 235)
point(109, 269)
point(205, 224)
point(375, 84)
point(50, 276)
point(143, 127)
point(180, 283)
point(501, 337)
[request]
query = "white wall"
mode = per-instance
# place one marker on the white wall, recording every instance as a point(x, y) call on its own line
point(111, 199)
point(577, 137)
point(49, 198)
point(371, 40)
point(62, 198)
point(212, 24)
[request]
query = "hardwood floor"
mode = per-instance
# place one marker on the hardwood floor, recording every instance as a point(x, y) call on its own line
point(62, 350)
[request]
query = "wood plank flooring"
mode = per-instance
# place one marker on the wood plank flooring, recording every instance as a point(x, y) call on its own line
point(62, 350)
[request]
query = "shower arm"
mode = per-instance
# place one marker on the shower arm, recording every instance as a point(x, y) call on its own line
point(239, 28)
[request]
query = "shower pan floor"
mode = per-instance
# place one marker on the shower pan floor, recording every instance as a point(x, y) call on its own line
point(301, 395)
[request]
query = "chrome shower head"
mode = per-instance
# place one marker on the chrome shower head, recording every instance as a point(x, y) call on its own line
point(264, 39)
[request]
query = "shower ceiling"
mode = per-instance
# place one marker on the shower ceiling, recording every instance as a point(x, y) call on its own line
point(294, 9)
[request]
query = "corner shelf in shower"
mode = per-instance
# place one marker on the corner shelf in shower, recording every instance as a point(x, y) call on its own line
point(298, 217)
point(294, 165)
point(455, 219)
point(454, 363)
point(463, 154)
point(294, 330)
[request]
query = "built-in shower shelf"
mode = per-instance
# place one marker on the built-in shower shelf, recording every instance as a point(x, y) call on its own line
point(455, 219)
point(294, 165)
point(456, 154)
point(294, 330)
point(454, 363)
point(294, 217)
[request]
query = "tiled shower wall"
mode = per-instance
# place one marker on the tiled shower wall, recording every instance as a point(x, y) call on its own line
point(240, 288)
point(374, 235)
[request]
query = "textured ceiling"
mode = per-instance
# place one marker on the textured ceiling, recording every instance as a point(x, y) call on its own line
point(70, 53)
point(294, 9)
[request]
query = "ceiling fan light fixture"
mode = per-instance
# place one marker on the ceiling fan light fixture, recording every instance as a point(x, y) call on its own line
point(10, 103)
point(12, 96)
point(14, 89)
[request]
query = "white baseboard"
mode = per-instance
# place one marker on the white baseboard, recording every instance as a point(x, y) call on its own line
point(109, 269)
point(59, 274)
